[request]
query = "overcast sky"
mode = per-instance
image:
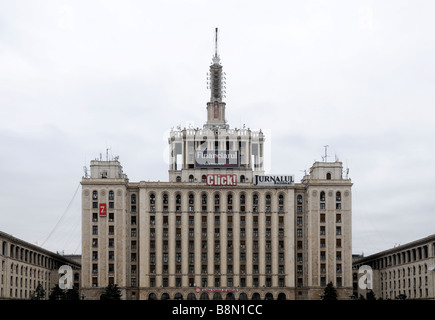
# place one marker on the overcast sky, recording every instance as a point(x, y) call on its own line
point(77, 77)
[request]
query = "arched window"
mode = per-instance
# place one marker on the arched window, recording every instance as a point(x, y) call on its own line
point(242, 178)
point(242, 203)
point(178, 179)
point(111, 195)
point(280, 203)
point(204, 198)
point(152, 199)
point(299, 199)
point(268, 203)
point(338, 196)
point(322, 196)
point(95, 195)
point(165, 198)
point(216, 203)
point(191, 199)
point(191, 179)
point(230, 199)
point(204, 178)
point(328, 176)
point(178, 199)
point(255, 203)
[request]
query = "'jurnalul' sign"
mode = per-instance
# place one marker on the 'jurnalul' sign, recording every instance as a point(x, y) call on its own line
point(274, 180)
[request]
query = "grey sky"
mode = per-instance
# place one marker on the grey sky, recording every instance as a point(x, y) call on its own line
point(77, 76)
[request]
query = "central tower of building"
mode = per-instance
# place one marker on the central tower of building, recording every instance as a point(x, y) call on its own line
point(215, 148)
point(216, 106)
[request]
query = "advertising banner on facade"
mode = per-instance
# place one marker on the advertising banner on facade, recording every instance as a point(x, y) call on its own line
point(274, 180)
point(221, 180)
point(216, 159)
point(103, 210)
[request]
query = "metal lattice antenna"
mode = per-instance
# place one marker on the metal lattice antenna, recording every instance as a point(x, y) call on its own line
point(216, 44)
point(216, 58)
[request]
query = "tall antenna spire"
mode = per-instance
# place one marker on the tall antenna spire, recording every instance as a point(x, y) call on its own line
point(216, 43)
point(216, 58)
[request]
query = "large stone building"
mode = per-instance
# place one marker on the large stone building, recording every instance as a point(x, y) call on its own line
point(404, 271)
point(25, 265)
point(220, 228)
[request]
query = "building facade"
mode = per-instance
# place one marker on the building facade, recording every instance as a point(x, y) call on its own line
point(404, 271)
point(24, 266)
point(220, 228)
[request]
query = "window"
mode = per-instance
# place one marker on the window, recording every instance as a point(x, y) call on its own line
point(242, 199)
point(111, 195)
point(322, 243)
point(322, 230)
point(322, 196)
point(242, 203)
point(216, 203)
point(203, 178)
point(94, 195)
point(191, 179)
point(280, 203)
point(299, 221)
point(338, 196)
point(242, 178)
point(299, 199)
point(328, 176)
point(178, 179)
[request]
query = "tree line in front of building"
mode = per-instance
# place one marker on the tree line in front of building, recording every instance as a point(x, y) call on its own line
point(111, 292)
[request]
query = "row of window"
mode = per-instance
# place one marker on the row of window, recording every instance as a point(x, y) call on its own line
point(95, 195)
point(217, 282)
point(28, 256)
point(337, 196)
point(217, 197)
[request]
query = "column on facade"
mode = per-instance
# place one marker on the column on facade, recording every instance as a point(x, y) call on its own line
point(171, 239)
point(144, 239)
point(274, 238)
point(224, 247)
point(185, 237)
point(158, 239)
point(261, 239)
point(249, 239)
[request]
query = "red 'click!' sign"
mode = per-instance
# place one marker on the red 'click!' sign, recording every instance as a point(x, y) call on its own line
point(103, 210)
point(221, 180)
